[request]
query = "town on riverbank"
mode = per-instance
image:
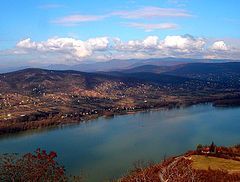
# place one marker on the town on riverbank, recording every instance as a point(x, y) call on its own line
point(37, 98)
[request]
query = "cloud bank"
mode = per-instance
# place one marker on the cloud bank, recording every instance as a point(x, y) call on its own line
point(69, 50)
point(76, 48)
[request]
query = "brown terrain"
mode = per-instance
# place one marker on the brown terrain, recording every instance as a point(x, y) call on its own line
point(206, 164)
point(36, 98)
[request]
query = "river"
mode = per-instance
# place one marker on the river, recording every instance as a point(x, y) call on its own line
point(106, 148)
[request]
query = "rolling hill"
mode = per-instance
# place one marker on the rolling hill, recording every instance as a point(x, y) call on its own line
point(33, 98)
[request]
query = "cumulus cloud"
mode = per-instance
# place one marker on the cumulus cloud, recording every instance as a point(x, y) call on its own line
point(186, 43)
point(70, 46)
point(26, 43)
point(151, 27)
point(226, 49)
point(219, 46)
point(150, 41)
point(69, 50)
point(170, 46)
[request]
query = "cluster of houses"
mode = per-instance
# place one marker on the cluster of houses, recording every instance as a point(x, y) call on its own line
point(212, 149)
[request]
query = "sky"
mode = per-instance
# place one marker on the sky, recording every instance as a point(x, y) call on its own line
point(74, 31)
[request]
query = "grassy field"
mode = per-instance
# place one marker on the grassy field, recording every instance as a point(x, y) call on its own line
point(204, 162)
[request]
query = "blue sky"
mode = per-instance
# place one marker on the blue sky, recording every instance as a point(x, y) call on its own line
point(211, 20)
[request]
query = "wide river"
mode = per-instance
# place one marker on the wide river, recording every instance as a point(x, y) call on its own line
point(107, 148)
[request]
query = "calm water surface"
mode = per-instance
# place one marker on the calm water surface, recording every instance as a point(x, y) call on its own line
point(107, 148)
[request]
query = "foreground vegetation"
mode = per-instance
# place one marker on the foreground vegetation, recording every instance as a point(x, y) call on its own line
point(37, 167)
point(210, 164)
point(197, 166)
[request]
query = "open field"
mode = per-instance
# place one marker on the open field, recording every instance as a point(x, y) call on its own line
point(201, 162)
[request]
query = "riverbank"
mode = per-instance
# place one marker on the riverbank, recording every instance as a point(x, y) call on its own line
point(51, 119)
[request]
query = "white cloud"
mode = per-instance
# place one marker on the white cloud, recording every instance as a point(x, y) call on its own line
point(151, 41)
point(69, 50)
point(175, 42)
point(171, 46)
point(152, 12)
point(142, 13)
point(67, 46)
point(226, 49)
point(151, 27)
point(98, 43)
point(73, 20)
point(26, 43)
point(186, 43)
point(219, 46)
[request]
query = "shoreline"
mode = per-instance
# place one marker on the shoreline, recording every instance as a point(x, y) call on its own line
point(57, 121)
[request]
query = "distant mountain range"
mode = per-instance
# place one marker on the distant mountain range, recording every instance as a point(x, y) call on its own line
point(223, 74)
point(227, 73)
point(117, 65)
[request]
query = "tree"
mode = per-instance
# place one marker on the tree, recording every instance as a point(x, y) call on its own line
point(212, 148)
point(199, 148)
point(36, 167)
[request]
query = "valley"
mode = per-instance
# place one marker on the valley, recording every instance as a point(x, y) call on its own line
point(37, 98)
